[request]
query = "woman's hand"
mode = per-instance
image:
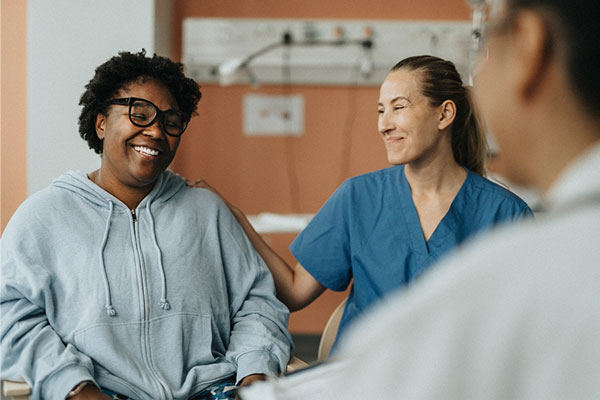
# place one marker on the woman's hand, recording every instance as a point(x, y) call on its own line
point(201, 183)
point(90, 392)
point(252, 378)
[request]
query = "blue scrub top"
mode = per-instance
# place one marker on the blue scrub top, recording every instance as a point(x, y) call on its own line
point(369, 231)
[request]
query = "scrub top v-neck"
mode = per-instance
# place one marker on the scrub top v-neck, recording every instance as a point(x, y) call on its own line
point(369, 233)
point(445, 236)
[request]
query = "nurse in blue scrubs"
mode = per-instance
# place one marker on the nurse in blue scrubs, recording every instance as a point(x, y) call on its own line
point(381, 230)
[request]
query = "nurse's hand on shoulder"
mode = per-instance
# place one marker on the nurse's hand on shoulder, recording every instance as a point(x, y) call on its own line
point(201, 183)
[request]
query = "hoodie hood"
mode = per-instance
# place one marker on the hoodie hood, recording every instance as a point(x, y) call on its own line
point(167, 185)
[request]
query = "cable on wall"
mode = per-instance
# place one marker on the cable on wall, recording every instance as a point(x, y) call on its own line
point(286, 86)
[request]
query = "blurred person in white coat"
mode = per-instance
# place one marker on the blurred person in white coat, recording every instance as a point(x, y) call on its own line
point(515, 315)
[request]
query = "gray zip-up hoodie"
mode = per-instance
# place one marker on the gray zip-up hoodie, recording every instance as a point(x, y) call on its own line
point(154, 303)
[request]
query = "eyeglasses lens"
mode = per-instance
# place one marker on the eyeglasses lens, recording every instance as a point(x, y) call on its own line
point(174, 122)
point(143, 113)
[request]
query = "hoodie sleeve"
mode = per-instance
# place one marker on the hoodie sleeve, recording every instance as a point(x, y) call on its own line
point(259, 342)
point(30, 347)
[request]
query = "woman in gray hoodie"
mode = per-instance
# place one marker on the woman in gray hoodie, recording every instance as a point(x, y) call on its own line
point(116, 281)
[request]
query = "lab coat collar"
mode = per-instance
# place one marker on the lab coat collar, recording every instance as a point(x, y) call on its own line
point(579, 182)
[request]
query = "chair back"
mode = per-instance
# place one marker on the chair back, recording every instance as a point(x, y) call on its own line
point(330, 331)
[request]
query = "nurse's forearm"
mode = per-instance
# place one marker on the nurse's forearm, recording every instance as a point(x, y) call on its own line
point(283, 274)
point(295, 287)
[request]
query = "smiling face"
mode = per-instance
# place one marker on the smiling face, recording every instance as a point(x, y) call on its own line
point(133, 157)
point(408, 124)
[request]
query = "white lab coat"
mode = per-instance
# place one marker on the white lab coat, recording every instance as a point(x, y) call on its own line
point(514, 315)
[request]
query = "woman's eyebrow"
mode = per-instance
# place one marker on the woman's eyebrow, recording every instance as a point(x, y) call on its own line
point(395, 99)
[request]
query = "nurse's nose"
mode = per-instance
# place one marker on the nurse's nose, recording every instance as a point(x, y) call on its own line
point(384, 124)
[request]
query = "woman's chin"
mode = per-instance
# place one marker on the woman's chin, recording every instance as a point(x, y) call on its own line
point(396, 160)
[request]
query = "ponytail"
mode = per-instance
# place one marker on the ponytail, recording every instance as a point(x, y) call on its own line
point(469, 143)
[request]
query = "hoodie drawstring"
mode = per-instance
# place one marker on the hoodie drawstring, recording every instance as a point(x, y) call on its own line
point(164, 303)
point(110, 310)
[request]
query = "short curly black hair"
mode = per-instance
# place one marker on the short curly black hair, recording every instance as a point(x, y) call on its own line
point(126, 68)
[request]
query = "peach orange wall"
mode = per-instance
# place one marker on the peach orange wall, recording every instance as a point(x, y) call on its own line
point(292, 174)
point(13, 106)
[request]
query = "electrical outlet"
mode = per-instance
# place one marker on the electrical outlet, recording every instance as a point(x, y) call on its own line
point(271, 115)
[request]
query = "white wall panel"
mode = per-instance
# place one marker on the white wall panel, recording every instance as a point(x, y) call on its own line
point(67, 40)
point(210, 42)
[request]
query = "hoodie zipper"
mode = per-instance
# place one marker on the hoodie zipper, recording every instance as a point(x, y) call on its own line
point(160, 383)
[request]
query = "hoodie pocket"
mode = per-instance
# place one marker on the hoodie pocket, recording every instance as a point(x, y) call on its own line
point(182, 339)
point(117, 350)
point(182, 349)
point(186, 349)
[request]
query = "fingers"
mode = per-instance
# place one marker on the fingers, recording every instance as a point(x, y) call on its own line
point(199, 183)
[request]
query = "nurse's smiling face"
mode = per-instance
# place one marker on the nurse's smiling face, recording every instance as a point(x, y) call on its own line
point(408, 124)
point(134, 157)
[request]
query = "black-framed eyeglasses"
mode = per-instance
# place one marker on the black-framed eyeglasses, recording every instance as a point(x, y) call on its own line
point(144, 113)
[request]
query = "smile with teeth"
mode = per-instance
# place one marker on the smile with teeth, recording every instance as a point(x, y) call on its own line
point(146, 150)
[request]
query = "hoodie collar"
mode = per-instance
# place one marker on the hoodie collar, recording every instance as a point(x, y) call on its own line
point(167, 185)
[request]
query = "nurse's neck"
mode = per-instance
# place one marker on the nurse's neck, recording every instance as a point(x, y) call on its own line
point(435, 178)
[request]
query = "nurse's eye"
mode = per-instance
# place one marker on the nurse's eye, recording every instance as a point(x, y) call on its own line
point(381, 111)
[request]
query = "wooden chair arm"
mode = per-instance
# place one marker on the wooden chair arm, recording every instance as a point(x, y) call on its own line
point(16, 390)
point(295, 364)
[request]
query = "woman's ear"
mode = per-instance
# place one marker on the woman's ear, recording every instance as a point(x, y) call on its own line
point(100, 123)
point(447, 114)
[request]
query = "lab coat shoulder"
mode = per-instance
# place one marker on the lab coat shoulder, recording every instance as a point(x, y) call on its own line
point(520, 299)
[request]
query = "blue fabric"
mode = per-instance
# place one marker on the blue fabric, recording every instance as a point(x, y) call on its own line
point(224, 390)
point(190, 300)
point(369, 232)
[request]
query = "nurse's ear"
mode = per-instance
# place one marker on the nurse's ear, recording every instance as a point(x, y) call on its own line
point(447, 113)
point(100, 125)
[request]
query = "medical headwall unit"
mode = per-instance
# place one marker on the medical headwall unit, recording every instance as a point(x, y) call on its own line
point(315, 51)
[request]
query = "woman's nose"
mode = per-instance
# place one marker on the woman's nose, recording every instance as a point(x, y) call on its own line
point(155, 130)
point(384, 125)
